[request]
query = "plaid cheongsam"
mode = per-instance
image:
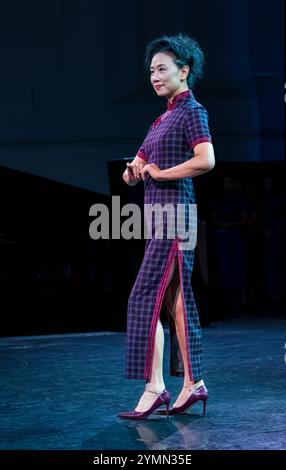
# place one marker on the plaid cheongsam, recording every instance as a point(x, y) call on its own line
point(170, 141)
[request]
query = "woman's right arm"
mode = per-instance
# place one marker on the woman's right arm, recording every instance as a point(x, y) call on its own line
point(132, 175)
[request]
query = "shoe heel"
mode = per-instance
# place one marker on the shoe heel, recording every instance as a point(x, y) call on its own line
point(205, 406)
point(167, 409)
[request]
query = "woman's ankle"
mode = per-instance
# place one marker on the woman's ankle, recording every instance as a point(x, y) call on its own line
point(188, 384)
point(199, 384)
point(157, 387)
point(194, 385)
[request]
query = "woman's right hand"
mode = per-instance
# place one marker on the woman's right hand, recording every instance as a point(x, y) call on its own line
point(133, 171)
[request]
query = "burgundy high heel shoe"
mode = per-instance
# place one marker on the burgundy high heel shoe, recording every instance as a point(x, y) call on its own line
point(163, 398)
point(198, 394)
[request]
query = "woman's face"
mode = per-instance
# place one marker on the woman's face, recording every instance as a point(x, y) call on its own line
point(165, 76)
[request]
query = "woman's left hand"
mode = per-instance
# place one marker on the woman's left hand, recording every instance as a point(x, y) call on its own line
point(153, 170)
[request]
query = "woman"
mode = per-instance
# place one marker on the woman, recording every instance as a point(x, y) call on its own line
point(178, 147)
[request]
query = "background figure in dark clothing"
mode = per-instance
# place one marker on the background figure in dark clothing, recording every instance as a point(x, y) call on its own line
point(252, 259)
point(229, 216)
point(272, 241)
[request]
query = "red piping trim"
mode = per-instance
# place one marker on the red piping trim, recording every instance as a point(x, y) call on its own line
point(180, 260)
point(200, 141)
point(142, 155)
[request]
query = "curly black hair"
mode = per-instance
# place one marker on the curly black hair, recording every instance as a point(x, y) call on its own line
point(186, 51)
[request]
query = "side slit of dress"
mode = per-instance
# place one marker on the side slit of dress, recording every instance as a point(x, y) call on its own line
point(175, 258)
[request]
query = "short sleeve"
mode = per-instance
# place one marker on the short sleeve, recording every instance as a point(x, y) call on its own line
point(196, 126)
point(142, 153)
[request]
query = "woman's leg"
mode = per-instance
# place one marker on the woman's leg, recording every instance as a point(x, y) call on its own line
point(174, 302)
point(180, 330)
point(177, 312)
point(189, 385)
point(157, 382)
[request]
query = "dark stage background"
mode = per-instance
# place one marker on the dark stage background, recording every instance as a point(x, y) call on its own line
point(76, 103)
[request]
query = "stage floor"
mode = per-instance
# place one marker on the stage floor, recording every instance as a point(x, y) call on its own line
point(65, 391)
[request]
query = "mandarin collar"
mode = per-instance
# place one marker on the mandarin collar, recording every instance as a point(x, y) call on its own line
point(172, 104)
